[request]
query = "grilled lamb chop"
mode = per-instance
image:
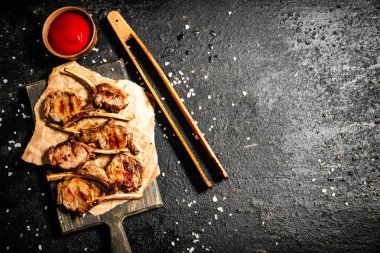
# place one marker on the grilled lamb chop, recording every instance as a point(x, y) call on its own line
point(105, 95)
point(72, 154)
point(109, 136)
point(62, 105)
point(79, 195)
point(67, 108)
point(123, 173)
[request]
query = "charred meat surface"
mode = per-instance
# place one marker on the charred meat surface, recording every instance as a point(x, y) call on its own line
point(91, 171)
point(110, 97)
point(122, 173)
point(109, 136)
point(77, 194)
point(125, 173)
point(70, 154)
point(62, 105)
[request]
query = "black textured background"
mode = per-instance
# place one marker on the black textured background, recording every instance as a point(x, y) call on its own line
point(301, 147)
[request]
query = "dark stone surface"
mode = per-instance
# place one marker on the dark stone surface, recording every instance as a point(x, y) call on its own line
point(308, 123)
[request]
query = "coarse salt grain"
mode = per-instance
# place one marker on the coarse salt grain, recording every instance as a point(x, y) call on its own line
point(167, 63)
point(244, 93)
point(216, 216)
point(180, 72)
point(40, 247)
point(187, 27)
point(170, 74)
point(10, 174)
point(209, 96)
point(5, 80)
point(333, 194)
point(324, 190)
point(220, 209)
point(173, 243)
point(230, 12)
point(214, 199)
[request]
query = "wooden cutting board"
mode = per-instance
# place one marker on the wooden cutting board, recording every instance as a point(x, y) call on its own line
point(114, 218)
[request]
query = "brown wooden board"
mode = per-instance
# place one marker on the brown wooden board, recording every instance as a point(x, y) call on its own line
point(113, 218)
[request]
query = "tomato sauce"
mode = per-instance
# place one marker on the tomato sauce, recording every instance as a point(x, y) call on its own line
point(70, 33)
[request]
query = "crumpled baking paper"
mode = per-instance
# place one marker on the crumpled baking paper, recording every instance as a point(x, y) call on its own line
point(140, 109)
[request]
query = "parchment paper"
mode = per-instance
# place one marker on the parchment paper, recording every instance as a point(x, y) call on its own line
point(139, 108)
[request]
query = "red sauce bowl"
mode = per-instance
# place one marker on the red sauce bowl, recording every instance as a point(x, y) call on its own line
point(69, 33)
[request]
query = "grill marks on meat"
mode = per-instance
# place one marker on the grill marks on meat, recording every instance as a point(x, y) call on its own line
point(62, 105)
point(77, 194)
point(109, 136)
point(122, 173)
point(110, 97)
point(70, 154)
point(125, 173)
point(105, 95)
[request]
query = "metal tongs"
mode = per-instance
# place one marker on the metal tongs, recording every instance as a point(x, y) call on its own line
point(125, 33)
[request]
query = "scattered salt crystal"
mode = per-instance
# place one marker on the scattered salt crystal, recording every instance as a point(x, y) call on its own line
point(170, 74)
point(324, 190)
point(346, 203)
point(209, 96)
point(173, 243)
point(230, 12)
point(178, 162)
point(187, 27)
point(214, 199)
point(234, 58)
point(191, 249)
point(17, 145)
point(46, 207)
point(332, 188)
point(230, 214)
point(40, 247)
point(163, 98)
point(7, 211)
point(216, 216)
point(233, 104)
point(313, 180)
point(333, 194)
point(188, 94)
point(248, 138)
point(276, 243)
point(167, 63)
point(104, 60)
point(8, 247)
point(180, 72)
point(220, 209)
point(10, 174)
point(205, 77)
point(244, 93)
point(213, 118)
point(29, 189)
point(85, 249)
point(195, 241)
point(209, 223)
point(5, 80)
point(93, 61)
point(196, 137)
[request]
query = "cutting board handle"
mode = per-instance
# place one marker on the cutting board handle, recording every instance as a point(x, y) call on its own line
point(119, 240)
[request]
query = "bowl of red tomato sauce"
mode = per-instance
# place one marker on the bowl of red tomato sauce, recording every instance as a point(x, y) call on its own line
point(69, 33)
